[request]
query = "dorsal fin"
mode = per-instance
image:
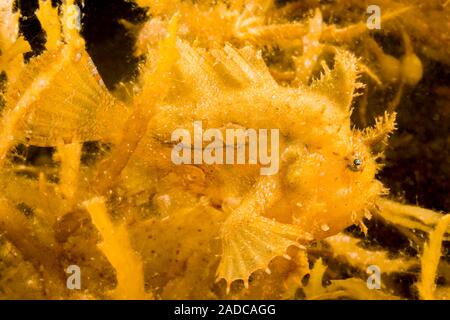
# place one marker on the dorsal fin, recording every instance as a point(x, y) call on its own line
point(244, 67)
point(200, 73)
point(193, 75)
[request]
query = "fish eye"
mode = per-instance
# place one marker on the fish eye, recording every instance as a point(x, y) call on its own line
point(355, 165)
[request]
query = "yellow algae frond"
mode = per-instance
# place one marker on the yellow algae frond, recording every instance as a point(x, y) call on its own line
point(430, 259)
point(353, 288)
point(305, 63)
point(412, 217)
point(9, 24)
point(349, 249)
point(12, 46)
point(153, 80)
point(118, 250)
point(71, 23)
point(69, 155)
point(39, 246)
point(49, 18)
point(11, 57)
point(315, 287)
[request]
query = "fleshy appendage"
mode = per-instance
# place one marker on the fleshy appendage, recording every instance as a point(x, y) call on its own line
point(250, 241)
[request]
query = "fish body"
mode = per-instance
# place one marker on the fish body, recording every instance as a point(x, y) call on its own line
point(326, 179)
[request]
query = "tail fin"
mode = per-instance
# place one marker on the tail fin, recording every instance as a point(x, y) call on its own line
point(66, 100)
